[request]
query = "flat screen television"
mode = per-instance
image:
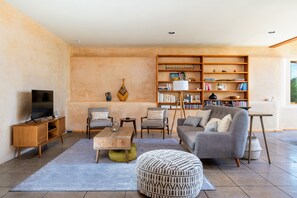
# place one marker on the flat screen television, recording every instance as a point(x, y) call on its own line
point(42, 103)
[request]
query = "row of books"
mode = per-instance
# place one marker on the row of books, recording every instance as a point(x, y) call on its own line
point(166, 98)
point(226, 103)
point(242, 86)
point(194, 106)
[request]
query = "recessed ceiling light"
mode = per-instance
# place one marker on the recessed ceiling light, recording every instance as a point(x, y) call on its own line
point(271, 32)
point(171, 32)
point(77, 41)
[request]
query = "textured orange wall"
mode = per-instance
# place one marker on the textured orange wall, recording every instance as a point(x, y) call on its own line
point(30, 58)
point(97, 70)
point(92, 77)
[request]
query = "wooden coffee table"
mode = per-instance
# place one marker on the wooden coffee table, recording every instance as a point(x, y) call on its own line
point(107, 140)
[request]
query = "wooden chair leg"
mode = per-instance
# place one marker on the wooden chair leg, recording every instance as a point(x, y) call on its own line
point(87, 128)
point(163, 133)
point(180, 141)
point(141, 133)
point(237, 162)
point(148, 130)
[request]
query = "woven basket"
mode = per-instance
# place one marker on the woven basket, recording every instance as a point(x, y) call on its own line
point(255, 148)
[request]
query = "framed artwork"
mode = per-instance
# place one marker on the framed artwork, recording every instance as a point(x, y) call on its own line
point(293, 82)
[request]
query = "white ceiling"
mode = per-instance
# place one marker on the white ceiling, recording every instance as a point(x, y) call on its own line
point(147, 22)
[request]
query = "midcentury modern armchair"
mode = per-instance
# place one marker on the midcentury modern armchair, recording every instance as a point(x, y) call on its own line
point(98, 118)
point(157, 118)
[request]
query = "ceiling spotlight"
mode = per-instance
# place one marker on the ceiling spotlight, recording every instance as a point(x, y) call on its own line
point(271, 32)
point(171, 32)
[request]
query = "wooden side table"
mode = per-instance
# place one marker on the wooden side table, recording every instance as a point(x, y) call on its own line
point(260, 115)
point(129, 120)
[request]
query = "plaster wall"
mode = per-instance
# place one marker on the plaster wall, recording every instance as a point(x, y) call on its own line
point(267, 77)
point(30, 58)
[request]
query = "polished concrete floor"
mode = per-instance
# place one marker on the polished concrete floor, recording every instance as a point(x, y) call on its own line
point(257, 179)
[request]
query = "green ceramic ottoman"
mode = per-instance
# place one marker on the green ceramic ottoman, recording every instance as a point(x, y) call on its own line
point(120, 155)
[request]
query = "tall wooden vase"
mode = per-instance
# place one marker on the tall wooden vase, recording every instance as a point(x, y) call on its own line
point(123, 93)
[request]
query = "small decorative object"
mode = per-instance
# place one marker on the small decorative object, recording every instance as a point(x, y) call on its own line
point(108, 96)
point(123, 93)
point(213, 96)
point(224, 71)
point(221, 86)
point(182, 76)
point(56, 114)
point(234, 97)
point(127, 118)
point(115, 127)
point(213, 70)
point(174, 76)
point(234, 70)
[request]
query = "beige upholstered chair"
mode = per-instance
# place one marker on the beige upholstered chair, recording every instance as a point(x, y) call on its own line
point(98, 118)
point(155, 122)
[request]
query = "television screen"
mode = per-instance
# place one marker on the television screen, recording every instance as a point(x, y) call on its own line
point(42, 103)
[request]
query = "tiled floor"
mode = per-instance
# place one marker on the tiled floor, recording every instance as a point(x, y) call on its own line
point(257, 179)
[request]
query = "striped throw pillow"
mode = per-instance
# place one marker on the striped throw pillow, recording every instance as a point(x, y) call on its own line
point(155, 114)
point(99, 115)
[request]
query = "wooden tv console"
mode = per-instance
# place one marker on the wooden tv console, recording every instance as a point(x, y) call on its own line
point(37, 134)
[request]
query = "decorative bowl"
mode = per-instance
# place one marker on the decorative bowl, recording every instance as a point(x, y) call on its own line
point(234, 97)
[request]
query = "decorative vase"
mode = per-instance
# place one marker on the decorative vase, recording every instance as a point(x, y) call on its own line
point(115, 127)
point(213, 96)
point(123, 93)
point(108, 96)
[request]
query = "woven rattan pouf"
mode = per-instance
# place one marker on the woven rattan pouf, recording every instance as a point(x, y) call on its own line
point(169, 173)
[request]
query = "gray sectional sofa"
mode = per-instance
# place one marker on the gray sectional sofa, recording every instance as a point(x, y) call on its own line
point(230, 144)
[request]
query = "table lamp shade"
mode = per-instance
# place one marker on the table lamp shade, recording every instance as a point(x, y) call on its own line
point(180, 85)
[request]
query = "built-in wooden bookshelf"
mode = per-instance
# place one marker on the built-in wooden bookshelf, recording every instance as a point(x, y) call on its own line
point(223, 75)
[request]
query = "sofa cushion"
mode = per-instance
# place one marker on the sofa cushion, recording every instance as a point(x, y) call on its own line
point(192, 121)
point(189, 139)
point(155, 114)
point(224, 124)
point(204, 114)
point(100, 123)
point(152, 123)
point(99, 115)
point(212, 125)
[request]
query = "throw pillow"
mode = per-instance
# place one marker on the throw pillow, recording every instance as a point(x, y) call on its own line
point(212, 125)
point(99, 115)
point(155, 114)
point(204, 114)
point(192, 121)
point(224, 124)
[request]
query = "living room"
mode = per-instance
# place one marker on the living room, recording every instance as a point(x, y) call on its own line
point(80, 73)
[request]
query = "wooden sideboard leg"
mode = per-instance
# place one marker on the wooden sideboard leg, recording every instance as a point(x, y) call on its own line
point(19, 151)
point(62, 139)
point(39, 150)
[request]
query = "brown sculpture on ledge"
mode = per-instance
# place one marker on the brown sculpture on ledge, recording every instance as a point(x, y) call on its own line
point(123, 93)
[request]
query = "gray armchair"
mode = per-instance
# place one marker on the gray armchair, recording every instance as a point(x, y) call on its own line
point(155, 123)
point(97, 123)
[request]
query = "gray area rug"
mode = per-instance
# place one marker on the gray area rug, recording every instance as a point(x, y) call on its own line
point(289, 140)
point(75, 169)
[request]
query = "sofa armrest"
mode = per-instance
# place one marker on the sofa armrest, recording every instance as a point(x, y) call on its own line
point(180, 121)
point(212, 144)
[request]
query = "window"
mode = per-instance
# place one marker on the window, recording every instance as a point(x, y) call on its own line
point(293, 82)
